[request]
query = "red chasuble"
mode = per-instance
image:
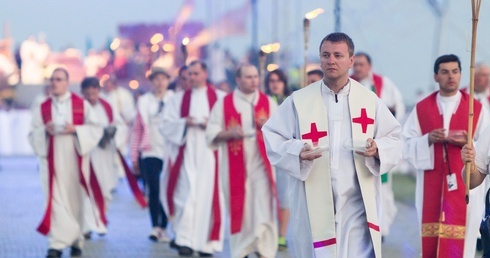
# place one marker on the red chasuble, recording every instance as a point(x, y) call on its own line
point(236, 157)
point(174, 169)
point(444, 211)
point(78, 119)
point(133, 184)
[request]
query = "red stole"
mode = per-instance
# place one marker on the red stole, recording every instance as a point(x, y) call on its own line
point(443, 211)
point(378, 83)
point(174, 169)
point(236, 158)
point(133, 184)
point(78, 119)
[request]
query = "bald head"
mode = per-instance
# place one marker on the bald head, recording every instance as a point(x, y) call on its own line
point(247, 78)
point(59, 82)
point(482, 77)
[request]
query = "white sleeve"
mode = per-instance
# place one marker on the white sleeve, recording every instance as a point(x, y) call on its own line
point(417, 151)
point(388, 140)
point(215, 124)
point(397, 98)
point(120, 139)
point(282, 141)
point(173, 127)
point(38, 137)
point(89, 134)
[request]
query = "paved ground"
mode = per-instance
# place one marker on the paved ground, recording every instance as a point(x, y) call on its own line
point(21, 208)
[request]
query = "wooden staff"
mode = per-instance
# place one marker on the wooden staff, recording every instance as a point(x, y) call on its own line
point(475, 8)
point(306, 31)
point(262, 57)
point(183, 49)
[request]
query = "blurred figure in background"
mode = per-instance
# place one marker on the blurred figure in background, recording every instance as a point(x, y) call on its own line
point(192, 195)
point(102, 157)
point(147, 143)
point(247, 175)
point(181, 83)
point(314, 76)
point(276, 86)
point(120, 99)
point(64, 132)
point(387, 91)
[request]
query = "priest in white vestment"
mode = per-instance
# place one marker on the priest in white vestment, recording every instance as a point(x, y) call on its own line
point(63, 133)
point(190, 193)
point(335, 186)
point(120, 99)
point(246, 173)
point(420, 151)
point(103, 157)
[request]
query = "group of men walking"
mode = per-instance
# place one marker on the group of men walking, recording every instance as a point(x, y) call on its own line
point(209, 160)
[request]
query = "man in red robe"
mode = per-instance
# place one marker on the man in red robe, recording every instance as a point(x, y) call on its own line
point(434, 133)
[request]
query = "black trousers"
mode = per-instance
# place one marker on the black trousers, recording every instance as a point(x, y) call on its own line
point(151, 168)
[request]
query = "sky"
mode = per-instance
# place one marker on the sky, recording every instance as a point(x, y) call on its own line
point(399, 35)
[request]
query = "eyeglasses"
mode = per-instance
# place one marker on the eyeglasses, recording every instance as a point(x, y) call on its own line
point(56, 79)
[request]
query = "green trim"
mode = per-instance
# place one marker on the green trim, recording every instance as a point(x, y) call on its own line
point(384, 178)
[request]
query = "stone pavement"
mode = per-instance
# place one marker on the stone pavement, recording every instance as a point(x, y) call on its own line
point(21, 208)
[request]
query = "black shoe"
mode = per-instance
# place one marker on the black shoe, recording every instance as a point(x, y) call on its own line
point(174, 245)
point(75, 252)
point(185, 251)
point(87, 235)
point(53, 253)
point(201, 254)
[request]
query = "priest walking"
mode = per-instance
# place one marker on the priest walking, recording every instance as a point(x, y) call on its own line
point(246, 173)
point(191, 194)
point(62, 135)
point(434, 134)
point(333, 138)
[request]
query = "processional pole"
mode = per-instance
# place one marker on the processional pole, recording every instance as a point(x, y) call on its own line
point(475, 10)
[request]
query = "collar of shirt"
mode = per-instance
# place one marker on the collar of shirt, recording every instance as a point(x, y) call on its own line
point(200, 89)
point(342, 93)
point(250, 98)
point(335, 102)
point(481, 95)
point(454, 100)
point(63, 98)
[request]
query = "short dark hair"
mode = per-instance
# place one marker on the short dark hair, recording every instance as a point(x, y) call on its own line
point(368, 57)
point(201, 63)
point(182, 69)
point(446, 59)
point(315, 72)
point(282, 77)
point(63, 70)
point(339, 37)
point(90, 82)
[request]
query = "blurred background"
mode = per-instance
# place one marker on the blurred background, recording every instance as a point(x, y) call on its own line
point(124, 39)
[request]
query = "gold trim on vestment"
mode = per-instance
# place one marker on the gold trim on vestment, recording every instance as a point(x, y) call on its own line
point(443, 231)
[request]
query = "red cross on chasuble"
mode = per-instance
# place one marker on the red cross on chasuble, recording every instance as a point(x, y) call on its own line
point(236, 158)
point(363, 120)
point(314, 135)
